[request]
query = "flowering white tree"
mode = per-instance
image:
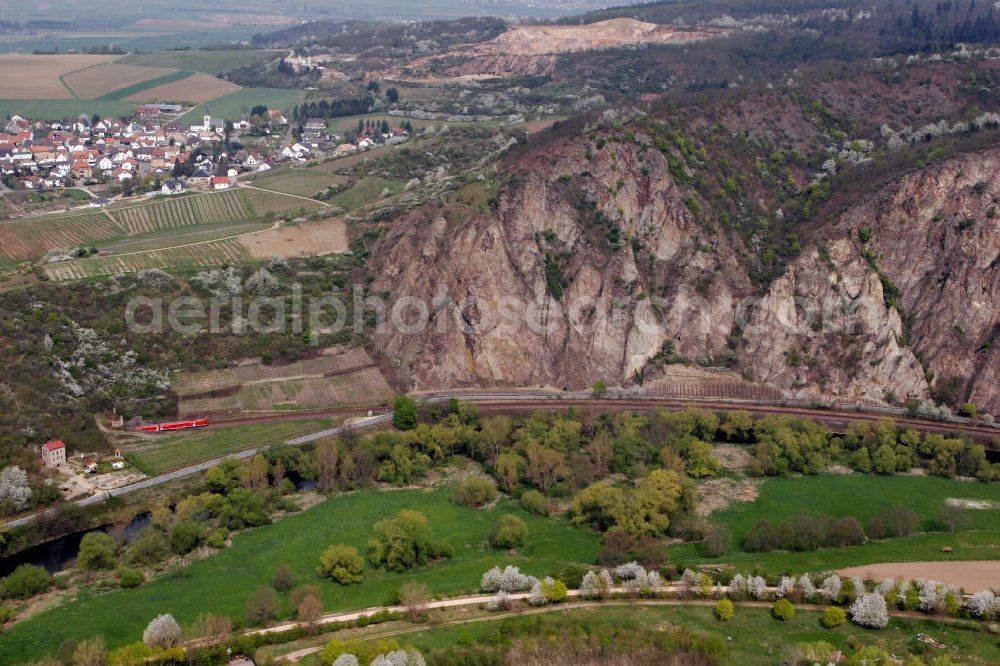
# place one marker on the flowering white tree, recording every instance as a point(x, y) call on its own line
point(931, 596)
point(808, 589)
point(162, 632)
point(509, 579)
point(830, 587)
point(629, 571)
point(499, 602)
point(756, 587)
point(398, 658)
point(785, 587)
point(886, 587)
point(346, 659)
point(590, 586)
point(537, 597)
point(737, 586)
point(14, 488)
point(869, 610)
point(859, 586)
point(984, 604)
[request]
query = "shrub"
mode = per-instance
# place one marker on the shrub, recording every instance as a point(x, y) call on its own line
point(185, 535)
point(284, 579)
point(97, 551)
point(761, 538)
point(404, 541)
point(262, 605)
point(217, 538)
point(724, 610)
point(342, 564)
point(535, 503)
point(149, 548)
point(474, 492)
point(404, 415)
point(716, 541)
point(508, 532)
point(129, 578)
point(554, 590)
point(25, 581)
point(833, 617)
point(783, 610)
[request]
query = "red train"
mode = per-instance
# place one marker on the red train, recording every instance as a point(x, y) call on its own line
point(173, 425)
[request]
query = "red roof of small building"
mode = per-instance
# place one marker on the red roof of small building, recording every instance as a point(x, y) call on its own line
point(54, 445)
point(220, 179)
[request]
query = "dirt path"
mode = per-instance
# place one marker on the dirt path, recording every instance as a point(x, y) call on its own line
point(973, 575)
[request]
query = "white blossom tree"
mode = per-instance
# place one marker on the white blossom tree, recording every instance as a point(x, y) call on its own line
point(869, 610)
point(830, 588)
point(629, 571)
point(984, 604)
point(931, 596)
point(162, 632)
point(14, 488)
point(500, 602)
point(785, 587)
point(509, 579)
point(346, 659)
point(806, 584)
point(737, 586)
point(590, 586)
point(537, 597)
point(756, 587)
point(886, 587)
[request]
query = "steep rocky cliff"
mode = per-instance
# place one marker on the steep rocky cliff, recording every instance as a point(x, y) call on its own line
point(605, 259)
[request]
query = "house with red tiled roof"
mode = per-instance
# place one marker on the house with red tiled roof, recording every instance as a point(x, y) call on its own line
point(54, 453)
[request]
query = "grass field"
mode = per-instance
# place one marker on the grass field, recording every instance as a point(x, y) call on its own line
point(366, 191)
point(223, 583)
point(239, 103)
point(209, 62)
point(63, 109)
point(159, 453)
point(753, 636)
point(861, 496)
point(302, 182)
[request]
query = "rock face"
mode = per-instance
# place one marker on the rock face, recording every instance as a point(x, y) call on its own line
point(638, 270)
point(635, 268)
point(936, 234)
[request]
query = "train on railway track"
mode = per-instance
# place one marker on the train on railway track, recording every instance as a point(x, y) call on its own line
point(170, 426)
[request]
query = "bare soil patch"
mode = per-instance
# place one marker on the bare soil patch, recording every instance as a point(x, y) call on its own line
point(25, 76)
point(971, 575)
point(197, 88)
point(304, 239)
point(732, 457)
point(717, 494)
point(978, 504)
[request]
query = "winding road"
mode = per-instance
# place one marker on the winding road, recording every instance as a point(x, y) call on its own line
point(837, 416)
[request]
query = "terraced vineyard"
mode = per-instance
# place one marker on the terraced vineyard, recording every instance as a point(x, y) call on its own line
point(184, 211)
point(33, 237)
point(192, 230)
point(204, 254)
